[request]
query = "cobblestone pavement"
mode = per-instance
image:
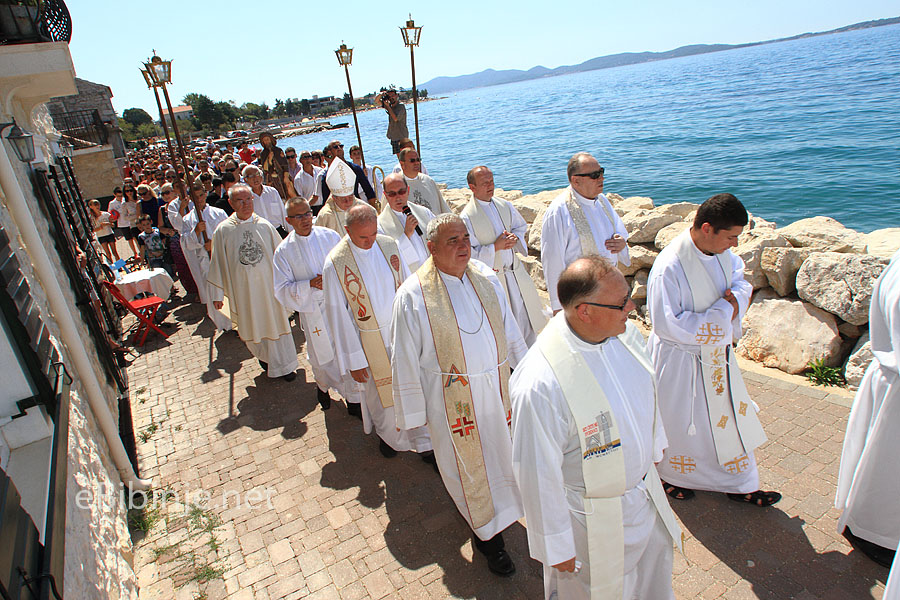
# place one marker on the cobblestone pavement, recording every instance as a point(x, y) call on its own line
point(300, 503)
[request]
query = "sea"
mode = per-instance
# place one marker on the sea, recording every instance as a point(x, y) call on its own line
point(794, 129)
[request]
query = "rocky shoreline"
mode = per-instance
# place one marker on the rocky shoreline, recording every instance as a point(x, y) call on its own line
point(812, 280)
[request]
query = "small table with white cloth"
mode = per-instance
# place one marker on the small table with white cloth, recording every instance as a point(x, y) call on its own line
point(154, 281)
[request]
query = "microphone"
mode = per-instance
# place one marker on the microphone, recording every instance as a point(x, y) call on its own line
point(408, 212)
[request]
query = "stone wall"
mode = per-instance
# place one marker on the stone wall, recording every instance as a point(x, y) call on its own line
point(97, 171)
point(93, 96)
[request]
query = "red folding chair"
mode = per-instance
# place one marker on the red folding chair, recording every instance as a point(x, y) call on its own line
point(144, 309)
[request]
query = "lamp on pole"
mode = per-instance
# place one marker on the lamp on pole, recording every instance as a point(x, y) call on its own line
point(345, 58)
point(411, 36)
point(148, 79)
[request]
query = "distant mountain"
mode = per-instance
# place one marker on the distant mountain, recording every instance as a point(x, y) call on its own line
point(442, 85)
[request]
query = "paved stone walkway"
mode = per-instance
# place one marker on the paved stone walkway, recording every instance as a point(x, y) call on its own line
point(302, 505)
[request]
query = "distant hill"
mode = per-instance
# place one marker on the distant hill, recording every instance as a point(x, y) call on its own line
point(442, 85)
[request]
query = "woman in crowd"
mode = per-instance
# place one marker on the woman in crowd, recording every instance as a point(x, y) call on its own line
point(129, 211)
point(149, 203)
point(102, 226)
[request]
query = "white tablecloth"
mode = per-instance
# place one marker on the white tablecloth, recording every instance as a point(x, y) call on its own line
point(155, 281)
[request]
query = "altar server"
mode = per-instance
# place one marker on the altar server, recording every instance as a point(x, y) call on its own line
point(869, 478)
point(241, 264)
point(497, 232)
point(405, 223)
point(455, 339)
point(580, 221)
point(586, 435)
point(361, 276)
point(697, 295)
point(299, 261)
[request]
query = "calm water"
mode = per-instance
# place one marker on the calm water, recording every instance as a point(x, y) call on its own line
point(795, 129)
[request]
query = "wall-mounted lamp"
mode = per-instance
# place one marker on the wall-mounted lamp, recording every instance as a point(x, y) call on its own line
point(22, 142)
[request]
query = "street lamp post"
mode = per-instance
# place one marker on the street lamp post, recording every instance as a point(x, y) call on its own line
point(411, 36)
point(345, 58)
point(162, 117)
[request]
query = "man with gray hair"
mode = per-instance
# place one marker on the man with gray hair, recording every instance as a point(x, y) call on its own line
point(267, 202)
point(242, 265)
point(361, 275)
point(455, 339)
point(580, 221)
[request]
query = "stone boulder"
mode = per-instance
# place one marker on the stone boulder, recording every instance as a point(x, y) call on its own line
point(533, 236)
point(536, 270)
point(859, 360)
point(883, 242)
point(532, 205)
point(840, 283)
point(643, 225)
point(823, 234)
point(750, 249)
point(642, 257)
point(639, 286)
point(668, 233)
point(788, 334)
point(679, 209)
point(759, 223)
point(632, 203)
point(780, 266)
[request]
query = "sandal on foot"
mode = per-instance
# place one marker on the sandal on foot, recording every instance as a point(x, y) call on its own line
point(679, 493)
point(759, 498)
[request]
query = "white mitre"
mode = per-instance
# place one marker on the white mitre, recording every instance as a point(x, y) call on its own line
point(340, 178)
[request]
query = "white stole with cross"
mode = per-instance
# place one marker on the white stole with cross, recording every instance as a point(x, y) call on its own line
point(603, 464)
point(484, 232)
point(732, 414)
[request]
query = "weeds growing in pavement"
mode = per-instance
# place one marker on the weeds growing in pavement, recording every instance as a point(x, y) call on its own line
point(818, 373)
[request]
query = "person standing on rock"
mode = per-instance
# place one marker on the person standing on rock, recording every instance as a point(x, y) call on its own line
point(389, 100)
point(497, 232)
point(697, 295)
point(869, 478)
point(580, 221)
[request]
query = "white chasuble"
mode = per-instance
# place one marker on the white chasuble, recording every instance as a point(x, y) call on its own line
point(425, 192)
point(485, 222)
point(701, 391)
point(413, 248)
point(213, 217)
point(574, 226)
point(421, 380)
point(600, 465)
point(190, 257)
point(333, 217)
point(297, 260)
point(869, 478)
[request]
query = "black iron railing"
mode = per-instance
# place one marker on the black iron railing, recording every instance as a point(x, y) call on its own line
point(82, 128)
point(34, 21)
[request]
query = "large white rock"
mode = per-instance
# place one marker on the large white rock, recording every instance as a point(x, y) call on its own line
point(668, 233)
point(532, 205)
point(750, 249)
point(533, 236)
point(825, 234)
point(859, 360)
point(679, 209)
point(643, 225)
point(536, 270)
point(883, 242)
point(788, 334)
point(639, 286)
point(780, 266)
point(840, 283)
point(626, 205)
point(642, 257)
point(759, 223)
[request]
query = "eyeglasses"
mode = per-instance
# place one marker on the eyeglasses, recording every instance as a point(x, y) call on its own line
point(337, 145)
point(307, 215)
point(144, 193)
point(413, 160)
point(593, 175)
point(290, 156)
point(126, 190)
point(394, 194)
point(620, 307)
point(167, 192)
point(230, 170)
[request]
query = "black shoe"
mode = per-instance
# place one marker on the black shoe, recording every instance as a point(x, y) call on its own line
point(354, 409)
point(290, 376)
point(323, 398)
point(263, 365)
point(386, 451)
point(428, 458)
point(501, 564)
point(883, 556)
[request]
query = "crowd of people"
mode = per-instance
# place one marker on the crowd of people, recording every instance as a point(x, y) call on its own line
point(427, 325)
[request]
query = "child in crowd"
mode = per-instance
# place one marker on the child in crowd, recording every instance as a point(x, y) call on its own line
point(101, 222)
point(153, 246)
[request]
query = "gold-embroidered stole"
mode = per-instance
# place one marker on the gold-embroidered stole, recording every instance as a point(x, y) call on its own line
point(460, 408)
point(360, 302)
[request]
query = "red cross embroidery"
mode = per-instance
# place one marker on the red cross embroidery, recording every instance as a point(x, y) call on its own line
point(463, 427)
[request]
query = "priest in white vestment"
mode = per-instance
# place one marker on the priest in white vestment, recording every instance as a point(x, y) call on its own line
point(586, 433)
point(267, 202)
point(299, 261)
point(869, 478)
point(361, 276)
point(580, 221)
point(176, 210)
point(198, 240)
point(696, 296)
point(455, 340)
point(405, 223)
point(341, 180)
point(422, 189)
point(497, 232)
point(241, 264)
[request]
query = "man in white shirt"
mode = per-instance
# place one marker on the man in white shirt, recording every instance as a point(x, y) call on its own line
point(305, 179)
point(403, 145)
point(580, 221)
point(404, 222)
point(422, 188)
point(267, 202)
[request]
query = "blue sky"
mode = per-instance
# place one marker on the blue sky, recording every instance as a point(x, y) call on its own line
point(265, 49)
